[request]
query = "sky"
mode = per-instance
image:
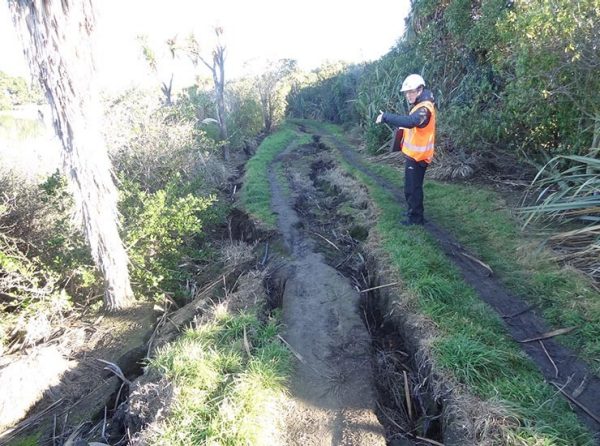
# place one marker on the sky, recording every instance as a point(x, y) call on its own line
point(311, 31)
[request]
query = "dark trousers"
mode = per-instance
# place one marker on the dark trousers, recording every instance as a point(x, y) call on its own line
point(414, 173)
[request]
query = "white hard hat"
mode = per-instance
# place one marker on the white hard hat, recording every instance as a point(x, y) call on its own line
point(412, 82)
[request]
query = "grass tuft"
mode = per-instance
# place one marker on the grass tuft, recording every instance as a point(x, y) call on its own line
point(224, 396)
point(256, 193)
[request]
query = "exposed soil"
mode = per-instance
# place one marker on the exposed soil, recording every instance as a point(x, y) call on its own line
point(333, 388)
point(361, 376)
point(334, 327)
point(91, 351)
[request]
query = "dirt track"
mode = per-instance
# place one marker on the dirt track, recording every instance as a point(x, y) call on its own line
point(333, 393)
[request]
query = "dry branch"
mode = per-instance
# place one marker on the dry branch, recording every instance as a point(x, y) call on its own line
point(577, 403)
point(407, 396)
point(380, 286)
point(328, 241)
point(550, 359)
point(479, 262)
point(550, 334)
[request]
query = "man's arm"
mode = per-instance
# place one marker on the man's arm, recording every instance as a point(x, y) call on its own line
point(419, 118)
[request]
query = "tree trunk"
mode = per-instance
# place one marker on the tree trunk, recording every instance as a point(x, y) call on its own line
point(56, 36)
point(219, 80)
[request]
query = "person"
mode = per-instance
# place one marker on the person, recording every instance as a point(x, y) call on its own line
point(417, 145)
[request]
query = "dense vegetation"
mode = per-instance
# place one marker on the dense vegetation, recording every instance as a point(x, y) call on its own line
point(15, 91)
point(168, 193)
point(171, 179)
point(517, 78)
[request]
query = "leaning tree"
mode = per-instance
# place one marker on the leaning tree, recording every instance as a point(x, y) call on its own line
point(217, 69)
point(57, 43)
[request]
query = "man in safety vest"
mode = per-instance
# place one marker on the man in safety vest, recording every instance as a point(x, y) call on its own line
point(418, 143)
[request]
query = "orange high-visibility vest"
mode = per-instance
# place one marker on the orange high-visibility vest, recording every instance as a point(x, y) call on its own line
point(419, 142)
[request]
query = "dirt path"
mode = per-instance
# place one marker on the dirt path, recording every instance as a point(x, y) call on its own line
point(569, 374)
point(333, 396)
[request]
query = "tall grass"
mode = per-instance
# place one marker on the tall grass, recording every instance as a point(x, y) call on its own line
point(565, 297)
point(473, 347)
point(569, 193)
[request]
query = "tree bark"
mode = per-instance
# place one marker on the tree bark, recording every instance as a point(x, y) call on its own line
point(218, 71)
point(56, 36)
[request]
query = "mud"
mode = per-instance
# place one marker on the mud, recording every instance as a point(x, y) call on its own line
point(336, 209)
point(89, 392)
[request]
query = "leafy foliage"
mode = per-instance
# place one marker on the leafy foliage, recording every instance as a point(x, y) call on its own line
point(169, 171)
point(43, 259)
point(245, 119)
point(15, 91)
point(159, 230)
point(326, 95)
point(568, 190)
point(517, 76)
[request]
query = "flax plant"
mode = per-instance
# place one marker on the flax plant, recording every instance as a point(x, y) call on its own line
point(571, 196)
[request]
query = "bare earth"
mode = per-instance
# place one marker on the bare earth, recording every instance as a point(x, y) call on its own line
point(333, 399)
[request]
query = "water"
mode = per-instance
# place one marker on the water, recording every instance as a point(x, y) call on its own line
point(28, 144)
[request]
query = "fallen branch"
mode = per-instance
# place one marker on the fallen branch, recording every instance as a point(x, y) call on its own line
point(328, 241)
point(550, 334)
point(266, 256)
point(407, 396)
point(581, 387)
point(550, 359)
point(428, 440)
point(436, 443)
point(479, 262)
point(246, 343)
point(380, 286)
point(344, 261)
point(389, 418)
point(577, 403)
point(518, 313)
point(11, 433)
point(115, 369)
point(294, 352)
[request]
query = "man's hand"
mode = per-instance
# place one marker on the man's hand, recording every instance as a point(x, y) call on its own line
point(379, 117)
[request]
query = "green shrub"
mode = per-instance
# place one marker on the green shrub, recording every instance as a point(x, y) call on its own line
point(43, 260)
point(160, 228)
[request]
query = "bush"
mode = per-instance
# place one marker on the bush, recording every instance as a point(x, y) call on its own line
point(160, 229)
point(43, 259)
point(169, 174)
point(150, 144)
